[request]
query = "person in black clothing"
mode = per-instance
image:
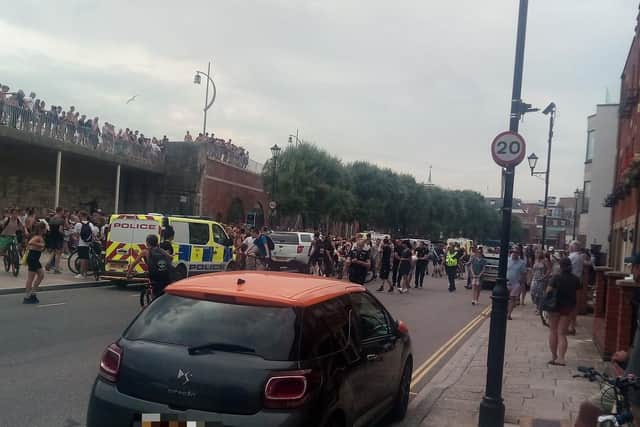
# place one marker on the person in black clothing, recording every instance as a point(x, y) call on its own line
point(421, 264)
point(158, 262)
point(565, 285)
point(404, 270)
point(385, 265)
point(359, 263)
point(329, 250)
point(397, 252)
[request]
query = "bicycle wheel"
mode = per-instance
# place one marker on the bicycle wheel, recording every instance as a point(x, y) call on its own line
point(145, 296)
point(95, 267)
point(15, 261)
point(369, 277)
point(73, 262)
point(7, 264)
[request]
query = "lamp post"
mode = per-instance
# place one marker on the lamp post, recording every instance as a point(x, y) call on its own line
point(291, 136)
point(207, 103)
point(533, 160)
point(575, 212)
point(492, 405)
point(275, 153)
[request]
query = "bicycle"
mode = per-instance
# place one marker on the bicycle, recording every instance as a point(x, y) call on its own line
point(96, 261)
point(12, 258)
point(620, 387)
point(146, 295)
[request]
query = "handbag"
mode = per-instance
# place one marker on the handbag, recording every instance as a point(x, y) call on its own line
point(550, 300)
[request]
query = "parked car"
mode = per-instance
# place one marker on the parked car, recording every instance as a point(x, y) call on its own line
point(257, 349)
point(291, 250)
point(490, 270)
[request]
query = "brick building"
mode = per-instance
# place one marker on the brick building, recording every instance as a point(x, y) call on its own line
point(624, 196)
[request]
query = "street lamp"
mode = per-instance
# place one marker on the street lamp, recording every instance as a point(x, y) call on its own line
point(533, 160)
point(291, 136)
point(575, 212)
point(207, 103)
point(275, 153)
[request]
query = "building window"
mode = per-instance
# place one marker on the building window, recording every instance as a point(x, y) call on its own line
point(591, 138)
point(586, 196)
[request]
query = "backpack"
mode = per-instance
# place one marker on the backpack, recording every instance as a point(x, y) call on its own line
point(86, 233)
point(159, 266)
point(270, 243)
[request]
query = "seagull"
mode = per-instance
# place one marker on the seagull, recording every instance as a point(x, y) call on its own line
point(133, 98)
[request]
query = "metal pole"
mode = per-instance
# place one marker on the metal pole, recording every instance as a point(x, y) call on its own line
point(56, 203)
point(297, 141)
point(546, 180)
point(117, 201)
point(575, 218)
point(492, 406)
point(206, 100)
point(273, 190)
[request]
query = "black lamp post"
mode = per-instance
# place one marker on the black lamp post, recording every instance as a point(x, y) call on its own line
point(492, 405)
point(207, 103)
point(275, 153)
point(533, 160)
point(575, 212)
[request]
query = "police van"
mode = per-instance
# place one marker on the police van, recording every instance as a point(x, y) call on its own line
point(200, 245)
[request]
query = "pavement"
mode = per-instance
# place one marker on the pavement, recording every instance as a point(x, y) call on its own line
point(65, 280)
point(532, 390)
point(50, 352)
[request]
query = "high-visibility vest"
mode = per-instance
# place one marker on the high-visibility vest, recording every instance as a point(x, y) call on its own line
point(451, 260)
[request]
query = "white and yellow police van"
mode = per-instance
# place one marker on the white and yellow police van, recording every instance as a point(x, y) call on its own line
point(199, 245)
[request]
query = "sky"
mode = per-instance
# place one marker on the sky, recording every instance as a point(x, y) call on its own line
point(406, 84)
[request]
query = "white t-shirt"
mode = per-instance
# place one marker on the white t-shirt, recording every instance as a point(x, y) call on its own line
point(78, 227)
point(251, 247)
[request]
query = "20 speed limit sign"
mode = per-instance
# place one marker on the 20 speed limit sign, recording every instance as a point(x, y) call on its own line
point(508, 149)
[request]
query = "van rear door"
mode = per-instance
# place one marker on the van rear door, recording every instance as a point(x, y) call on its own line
point(126, 239)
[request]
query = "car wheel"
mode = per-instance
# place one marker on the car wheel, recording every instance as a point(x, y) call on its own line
point(401, 402)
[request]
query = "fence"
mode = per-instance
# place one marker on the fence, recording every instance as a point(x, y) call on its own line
point(233, 158)
point(48, 124)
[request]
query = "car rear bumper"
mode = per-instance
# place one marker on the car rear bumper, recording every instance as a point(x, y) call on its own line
point(110, 408)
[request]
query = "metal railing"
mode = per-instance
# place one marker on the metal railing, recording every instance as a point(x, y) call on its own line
point(234, 158)
point(49, 124)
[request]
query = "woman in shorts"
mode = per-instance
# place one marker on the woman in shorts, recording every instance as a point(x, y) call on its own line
point(565, 284)
point(36, 273)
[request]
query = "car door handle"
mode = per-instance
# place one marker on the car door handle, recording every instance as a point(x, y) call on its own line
point(372, 357)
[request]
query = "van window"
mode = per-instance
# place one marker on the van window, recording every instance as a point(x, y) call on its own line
point(305, 238)
point(219, 236)
point(284, 238)
point(198, 233)
point(182, 232)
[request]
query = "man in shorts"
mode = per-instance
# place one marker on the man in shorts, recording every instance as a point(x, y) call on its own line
point(516, 270)
point(85, 232)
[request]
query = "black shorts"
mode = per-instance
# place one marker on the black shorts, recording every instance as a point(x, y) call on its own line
point(158, 288)
point(33, 261)
point(83, 252)
point(56, 242)
point(405, 269)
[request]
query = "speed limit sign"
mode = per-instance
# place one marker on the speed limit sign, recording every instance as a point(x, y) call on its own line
point(508, 149)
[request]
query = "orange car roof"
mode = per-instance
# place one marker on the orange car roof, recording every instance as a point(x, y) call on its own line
point(263, 288)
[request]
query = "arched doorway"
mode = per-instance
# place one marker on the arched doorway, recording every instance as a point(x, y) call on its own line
point(235, 214)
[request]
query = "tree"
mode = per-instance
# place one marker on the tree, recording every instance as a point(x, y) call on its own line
point(319, 188)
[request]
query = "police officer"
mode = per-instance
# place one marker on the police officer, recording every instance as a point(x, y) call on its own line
point(359, 263)
point(451, 266)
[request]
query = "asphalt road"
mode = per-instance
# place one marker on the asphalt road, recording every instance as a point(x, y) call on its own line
point(49, 353)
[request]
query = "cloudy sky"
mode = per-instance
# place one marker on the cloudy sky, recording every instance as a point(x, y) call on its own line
point(403, 84)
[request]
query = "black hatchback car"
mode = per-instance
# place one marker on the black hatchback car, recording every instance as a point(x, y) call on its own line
point(257, 349)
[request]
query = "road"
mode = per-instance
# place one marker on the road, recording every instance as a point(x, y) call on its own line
point(49, 353)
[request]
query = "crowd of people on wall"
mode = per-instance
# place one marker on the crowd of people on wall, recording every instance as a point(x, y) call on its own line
point(221, 150)
point(31, 114)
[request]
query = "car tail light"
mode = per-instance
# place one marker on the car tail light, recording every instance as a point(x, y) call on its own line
point(110, 363)
point(300, 249)
point(290, 389)
point(402, 327)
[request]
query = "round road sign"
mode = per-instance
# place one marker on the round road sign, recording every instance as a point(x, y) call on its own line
point(272, 205)
point(508, 149)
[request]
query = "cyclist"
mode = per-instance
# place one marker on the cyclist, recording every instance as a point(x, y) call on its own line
point(158, 262)
point(13, 230)
point(86, 232)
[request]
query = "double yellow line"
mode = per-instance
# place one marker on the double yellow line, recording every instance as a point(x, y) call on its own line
point(436, 357)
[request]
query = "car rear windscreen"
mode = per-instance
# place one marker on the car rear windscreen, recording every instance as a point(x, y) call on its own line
point(270, 331)
point(284, 238)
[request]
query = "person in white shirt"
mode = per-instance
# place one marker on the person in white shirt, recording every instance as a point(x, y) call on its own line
point(85, 232)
